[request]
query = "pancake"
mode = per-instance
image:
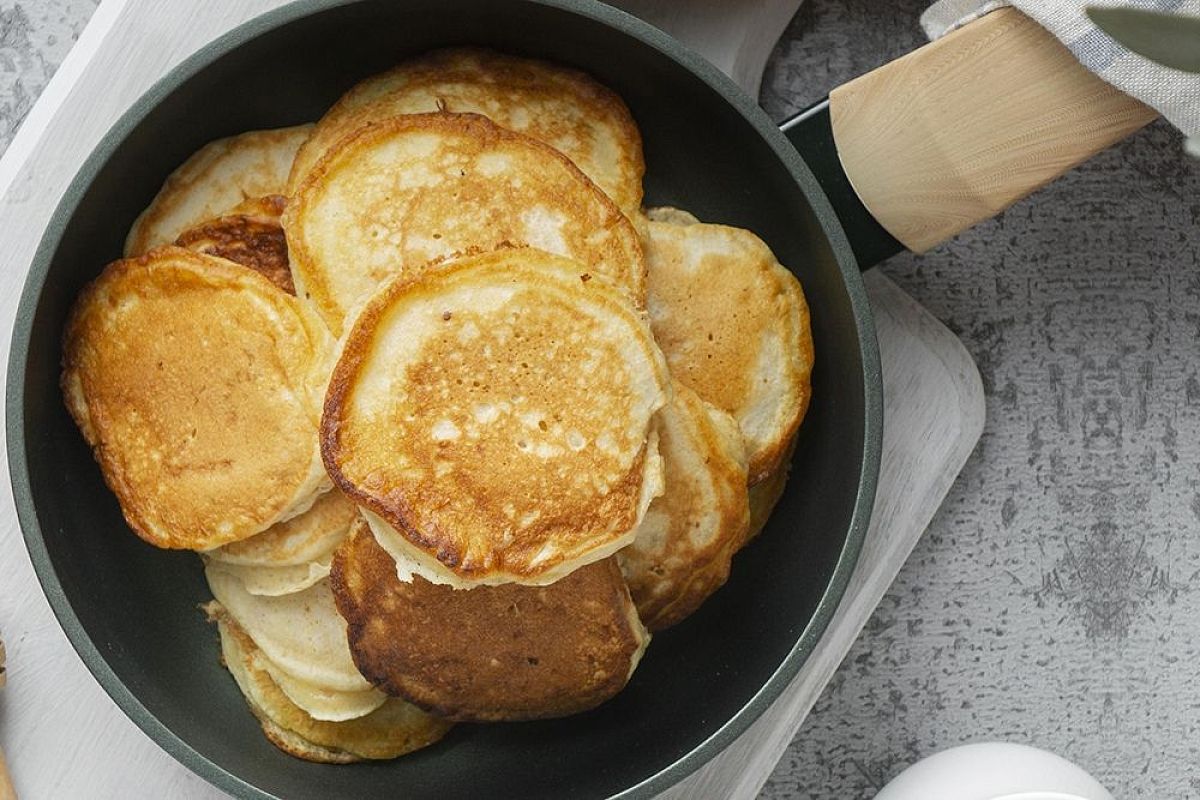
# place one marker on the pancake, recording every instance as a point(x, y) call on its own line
point(197, 382)
point(251, 235)
point(675, 216)
point(409, 191)
point(300, 633)
point(289, 556)
point(733, 325)
point(496, 413)
point(562, 107)
point(213, 181)
point(492, 653)
point(765, 495)
point(277, 581)
point(392, 729)
point(683, 548)
point(298, 541)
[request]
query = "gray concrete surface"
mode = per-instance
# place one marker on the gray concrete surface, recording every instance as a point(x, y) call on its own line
point(1055, 600)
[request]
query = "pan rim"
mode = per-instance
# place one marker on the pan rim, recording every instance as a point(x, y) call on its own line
point(626, 24)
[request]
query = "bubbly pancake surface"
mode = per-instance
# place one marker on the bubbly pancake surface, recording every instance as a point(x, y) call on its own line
point(682, 551)
point(557, 105)
point(733, 325)
point(494, 652)
point(251, 235)
point(396, 196)
point(496, 413)
point(213, 181)
point(392, 729)
point(196, 382)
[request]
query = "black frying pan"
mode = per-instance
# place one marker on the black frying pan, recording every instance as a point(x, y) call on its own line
point(130, 609)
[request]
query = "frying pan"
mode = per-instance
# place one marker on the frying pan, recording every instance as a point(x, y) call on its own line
point(930, 144)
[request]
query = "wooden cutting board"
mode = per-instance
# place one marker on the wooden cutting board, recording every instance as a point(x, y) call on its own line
point(65, 738)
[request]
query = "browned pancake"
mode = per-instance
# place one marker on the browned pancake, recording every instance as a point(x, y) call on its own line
point(252, 236)
point(196, 382)
point(495, 412)
point(490, 653)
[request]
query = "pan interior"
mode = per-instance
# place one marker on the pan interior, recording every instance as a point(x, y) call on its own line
point(137, 605)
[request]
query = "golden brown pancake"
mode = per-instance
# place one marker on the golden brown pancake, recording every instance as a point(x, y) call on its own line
point(683, 548)
point(562, 107)
point(495, 413)
point(410, 191)
point(213, 181)
point(393, 729)
point(196, 382)
point(734, 327)
point(491, 653)
point(251, 236)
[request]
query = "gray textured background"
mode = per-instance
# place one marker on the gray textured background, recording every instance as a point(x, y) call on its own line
point(1055, 600)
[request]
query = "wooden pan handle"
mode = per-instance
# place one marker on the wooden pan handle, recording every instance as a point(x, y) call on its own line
point(957, 131)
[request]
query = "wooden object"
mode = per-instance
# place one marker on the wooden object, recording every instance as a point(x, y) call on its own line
point(6, 788)
point(957, 131)
point(68, 739)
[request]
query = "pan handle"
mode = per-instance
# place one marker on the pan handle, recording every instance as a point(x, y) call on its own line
point(957, 131)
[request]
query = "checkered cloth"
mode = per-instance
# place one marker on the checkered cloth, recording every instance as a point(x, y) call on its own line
point(1175, 94)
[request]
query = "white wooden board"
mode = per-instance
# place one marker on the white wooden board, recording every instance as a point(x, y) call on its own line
point(65, 738)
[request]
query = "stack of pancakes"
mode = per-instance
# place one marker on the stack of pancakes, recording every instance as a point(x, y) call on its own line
point(452, 420)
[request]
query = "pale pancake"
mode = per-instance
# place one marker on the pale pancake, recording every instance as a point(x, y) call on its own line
point(562, 107)
point(675, 216)
point(494, 652)
point(684, 545)
point(496, 413)
point(277, 581)
point(290, 556)
point(298, 541)
point(409, 191)
point(734, 327)
point(390, 730)
point(213, 181)
point(250, 235)
point(301, 633)
point(197, 384)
